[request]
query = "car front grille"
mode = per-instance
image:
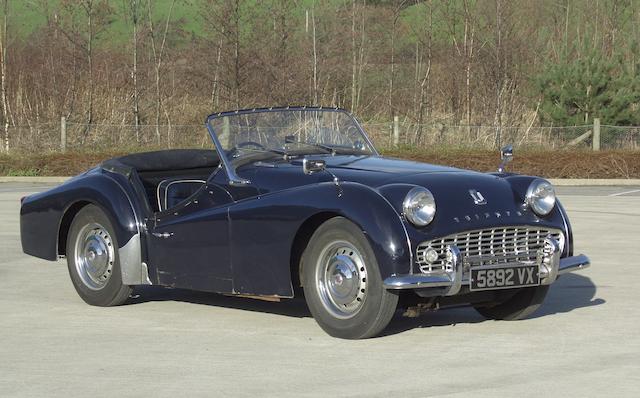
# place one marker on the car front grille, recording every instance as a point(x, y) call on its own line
point(487, 247)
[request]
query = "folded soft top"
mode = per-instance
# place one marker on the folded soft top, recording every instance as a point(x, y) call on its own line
point(171, 159)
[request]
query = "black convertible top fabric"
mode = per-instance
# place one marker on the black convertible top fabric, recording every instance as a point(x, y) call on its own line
point(171, 159)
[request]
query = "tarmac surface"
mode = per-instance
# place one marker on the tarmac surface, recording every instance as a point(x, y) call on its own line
point(584, 340)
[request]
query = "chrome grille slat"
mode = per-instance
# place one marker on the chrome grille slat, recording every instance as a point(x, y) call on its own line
point(488, 246)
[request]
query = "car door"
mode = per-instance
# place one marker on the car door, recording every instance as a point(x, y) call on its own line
point(189, 244)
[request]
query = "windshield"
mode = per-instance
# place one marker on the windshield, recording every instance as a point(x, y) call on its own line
point(288, 132)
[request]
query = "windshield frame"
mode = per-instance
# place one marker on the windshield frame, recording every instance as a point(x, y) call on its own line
point(233, 177)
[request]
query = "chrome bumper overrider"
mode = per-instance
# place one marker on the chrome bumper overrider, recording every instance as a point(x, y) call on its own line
point(549, 262)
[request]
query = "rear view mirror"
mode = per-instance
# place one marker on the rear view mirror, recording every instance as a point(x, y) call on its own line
point(506, 154)
point(310, 166)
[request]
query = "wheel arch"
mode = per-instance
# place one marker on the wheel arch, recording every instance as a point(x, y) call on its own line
point(65, 223)
point(302, 237)
point(281, 224)
point(127, 232)
point(46, 218)
point(368, 221)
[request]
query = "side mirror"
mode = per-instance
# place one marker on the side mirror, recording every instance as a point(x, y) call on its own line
point(310, 166)
point(506, 154)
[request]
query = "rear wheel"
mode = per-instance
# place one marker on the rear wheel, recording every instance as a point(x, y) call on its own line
point(92, 259)
point(515, 306)
point(342, 283)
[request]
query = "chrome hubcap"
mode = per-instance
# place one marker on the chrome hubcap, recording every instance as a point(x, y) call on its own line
point(94, 255)
point(341, 278)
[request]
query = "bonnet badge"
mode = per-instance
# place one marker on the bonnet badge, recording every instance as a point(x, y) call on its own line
point(477, 197)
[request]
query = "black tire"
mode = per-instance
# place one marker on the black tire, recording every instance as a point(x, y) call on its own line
point(92, 221)
point(377, 305)
point(517, 306)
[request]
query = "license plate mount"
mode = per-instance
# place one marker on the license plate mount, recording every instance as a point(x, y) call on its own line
point(503, 277)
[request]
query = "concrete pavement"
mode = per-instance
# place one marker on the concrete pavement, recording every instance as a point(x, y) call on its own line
point(584, 341)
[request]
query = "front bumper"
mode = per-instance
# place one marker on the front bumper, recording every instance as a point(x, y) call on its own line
point(448, 284)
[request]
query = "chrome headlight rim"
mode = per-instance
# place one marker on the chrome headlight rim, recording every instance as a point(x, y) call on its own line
point(541, 197)
point(419, 207)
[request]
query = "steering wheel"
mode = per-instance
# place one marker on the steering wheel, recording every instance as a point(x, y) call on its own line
point(250, 143)
point(234, 152)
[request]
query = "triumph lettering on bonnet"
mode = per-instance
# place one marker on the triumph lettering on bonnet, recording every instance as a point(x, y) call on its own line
point(497, 214)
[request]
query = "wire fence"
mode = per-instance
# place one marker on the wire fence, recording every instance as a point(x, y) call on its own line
point(491, 137)
point(72, 136)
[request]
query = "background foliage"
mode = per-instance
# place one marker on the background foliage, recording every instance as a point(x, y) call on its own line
point(464, 62)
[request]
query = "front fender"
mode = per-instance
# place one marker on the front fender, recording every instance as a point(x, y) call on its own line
point(269, 225)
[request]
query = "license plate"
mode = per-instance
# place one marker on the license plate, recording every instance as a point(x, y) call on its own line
point(490, 278)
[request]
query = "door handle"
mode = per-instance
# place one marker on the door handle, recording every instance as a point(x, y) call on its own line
point(164, 235)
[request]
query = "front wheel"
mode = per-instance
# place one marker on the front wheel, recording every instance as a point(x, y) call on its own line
point(93, 261)
point(515, 305)
point(342, 283)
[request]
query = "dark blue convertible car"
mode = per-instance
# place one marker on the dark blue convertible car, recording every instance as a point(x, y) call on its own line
point(297, 201)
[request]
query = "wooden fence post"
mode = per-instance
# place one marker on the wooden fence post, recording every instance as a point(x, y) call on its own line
point(63, 134)
point(596, 134)
point(396, 130)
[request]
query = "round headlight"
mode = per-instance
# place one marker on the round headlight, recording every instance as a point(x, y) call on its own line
point(419, 206)
point(541, 197)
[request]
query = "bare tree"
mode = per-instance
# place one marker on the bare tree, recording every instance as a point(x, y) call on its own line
point(236, 51)
point(499, 71)
point(357, 51)
point(354, 56)
point(134, 9)
point(98, 15)
point(392, 64)
point(469, 35)
point(224, 24)
point(361, 63)
point(281, 11)
point(464, 48)
point(3, 73)
point(214, 36)
point(314, 63)
point(158, 53)
point(215, 92)
point(87, 5)
point(425, 83)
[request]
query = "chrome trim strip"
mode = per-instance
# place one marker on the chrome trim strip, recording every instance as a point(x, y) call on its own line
point(575, 263)
point(423, 281)
point(166, 190)
point(397, 282)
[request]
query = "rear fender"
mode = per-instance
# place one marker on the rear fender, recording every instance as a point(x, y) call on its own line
point(45, 218)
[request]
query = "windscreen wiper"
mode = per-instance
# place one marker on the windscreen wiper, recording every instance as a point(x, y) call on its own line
point(286, 155)
point(235, 151)
point(326, 148)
